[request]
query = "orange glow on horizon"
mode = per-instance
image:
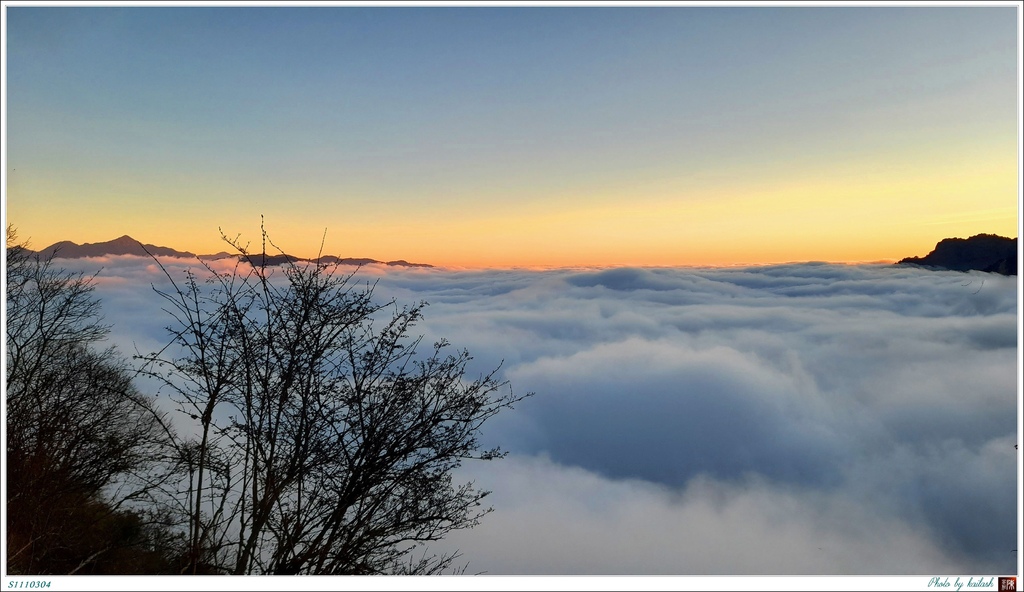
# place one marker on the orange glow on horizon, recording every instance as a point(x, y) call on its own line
point(614, 237)
point(854, 211)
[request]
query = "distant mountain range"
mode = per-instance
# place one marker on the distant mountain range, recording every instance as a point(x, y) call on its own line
point(982, 252)
point(127, 245)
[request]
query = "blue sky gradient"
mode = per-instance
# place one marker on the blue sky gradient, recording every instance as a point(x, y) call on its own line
point(385, 122)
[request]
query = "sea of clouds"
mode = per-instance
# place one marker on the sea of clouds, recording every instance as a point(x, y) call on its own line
point(791, 419)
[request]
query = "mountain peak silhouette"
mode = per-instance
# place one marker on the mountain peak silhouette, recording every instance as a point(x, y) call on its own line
point(126, 245)
point(981, 252)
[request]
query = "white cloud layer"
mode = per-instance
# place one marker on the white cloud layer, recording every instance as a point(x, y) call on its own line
point(794, 419)
point(556, 520)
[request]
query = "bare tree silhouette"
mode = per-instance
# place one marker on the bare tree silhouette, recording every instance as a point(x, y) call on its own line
point(84, 446)
point(325, 443)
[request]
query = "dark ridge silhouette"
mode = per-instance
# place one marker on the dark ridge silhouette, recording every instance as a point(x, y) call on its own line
point(127, 245)
point(270, 260)
point(981, 252)
point(404, 263)
point(330, 259)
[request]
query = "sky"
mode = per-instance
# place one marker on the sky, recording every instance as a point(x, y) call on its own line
point(516, 136)
point(800, 419)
